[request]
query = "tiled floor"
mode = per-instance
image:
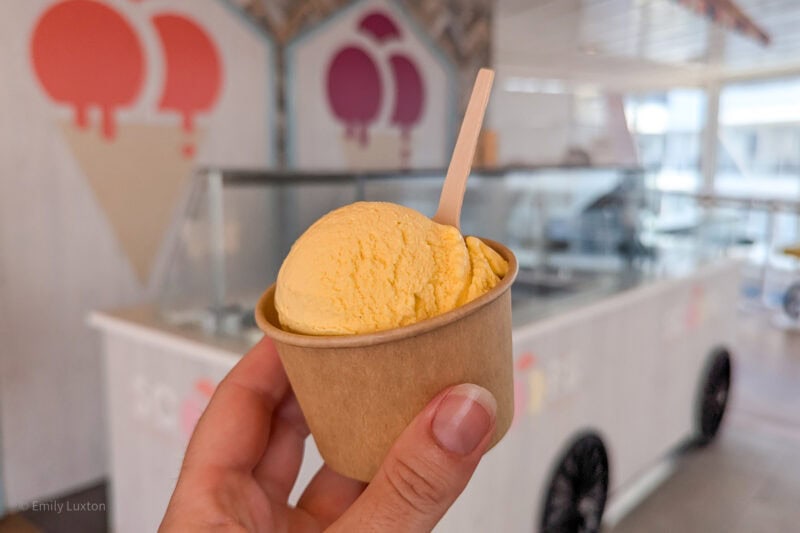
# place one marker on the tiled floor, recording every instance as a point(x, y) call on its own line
point(747, 481)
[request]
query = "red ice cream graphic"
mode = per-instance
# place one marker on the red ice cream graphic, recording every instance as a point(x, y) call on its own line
point(90, 56)
point(379, 26)
point(194, 72)
point(355, 90)
point(85, 54)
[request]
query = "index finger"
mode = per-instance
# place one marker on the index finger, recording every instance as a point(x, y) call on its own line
point(234, 430)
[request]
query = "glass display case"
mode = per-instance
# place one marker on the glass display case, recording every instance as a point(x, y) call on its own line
point(569, 227)
point(763, 233)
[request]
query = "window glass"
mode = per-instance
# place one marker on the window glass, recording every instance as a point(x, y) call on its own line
point(667, 127)
point(759, 139)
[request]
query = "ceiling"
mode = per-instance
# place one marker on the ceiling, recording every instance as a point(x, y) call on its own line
point(630, 44)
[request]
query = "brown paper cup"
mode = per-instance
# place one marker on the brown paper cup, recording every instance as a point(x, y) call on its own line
point(358, 392)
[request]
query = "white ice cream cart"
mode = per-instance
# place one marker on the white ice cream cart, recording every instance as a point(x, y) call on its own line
point(606, 384)
point(610, 375)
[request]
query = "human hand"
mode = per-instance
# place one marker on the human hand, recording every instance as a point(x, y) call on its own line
point(245, 454)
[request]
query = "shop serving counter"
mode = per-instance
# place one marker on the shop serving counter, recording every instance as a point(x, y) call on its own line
point(238, 225)
point(611, 348)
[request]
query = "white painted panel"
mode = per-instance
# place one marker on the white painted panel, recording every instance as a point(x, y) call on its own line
point(626, 366)
point(59, 257)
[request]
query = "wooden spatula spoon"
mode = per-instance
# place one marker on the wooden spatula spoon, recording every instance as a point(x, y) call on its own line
point(455, 183)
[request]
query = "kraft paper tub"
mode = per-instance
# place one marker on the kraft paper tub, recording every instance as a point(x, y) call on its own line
point(358, 392)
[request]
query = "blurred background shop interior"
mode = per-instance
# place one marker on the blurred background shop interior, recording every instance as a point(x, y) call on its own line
point(641, 158)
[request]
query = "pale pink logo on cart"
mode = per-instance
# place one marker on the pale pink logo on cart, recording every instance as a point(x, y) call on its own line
point(697, 309)
point(532, 386)
point(522, 364)
point(193, 405)
point(356, 93)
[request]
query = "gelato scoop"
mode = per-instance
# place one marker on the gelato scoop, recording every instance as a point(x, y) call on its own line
point(372, 266)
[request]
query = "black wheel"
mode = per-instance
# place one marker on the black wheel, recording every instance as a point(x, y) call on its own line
point(791, 301)
point(578, 489)
point(714, 396)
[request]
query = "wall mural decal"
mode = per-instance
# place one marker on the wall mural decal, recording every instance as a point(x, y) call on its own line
point(356, 93)
point(461, 28)
point(371, 79)
point(193, 73)
point(92, 203)
point(86, 54)
point(89, 56)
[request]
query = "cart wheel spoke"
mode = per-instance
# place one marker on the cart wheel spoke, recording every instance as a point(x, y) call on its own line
point(578, 489)
point(791, 301)
point(716, 392)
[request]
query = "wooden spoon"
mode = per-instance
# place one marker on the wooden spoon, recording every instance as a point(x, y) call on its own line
point(455, 184)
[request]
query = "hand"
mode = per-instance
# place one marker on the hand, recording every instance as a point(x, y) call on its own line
point(244, 456)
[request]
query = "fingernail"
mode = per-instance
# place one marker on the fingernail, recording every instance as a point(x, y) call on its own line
point(463, 418)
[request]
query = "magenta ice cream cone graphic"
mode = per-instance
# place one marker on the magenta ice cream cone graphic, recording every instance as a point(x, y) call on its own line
point(137, 179)
point(357, 93)
point(372, 81)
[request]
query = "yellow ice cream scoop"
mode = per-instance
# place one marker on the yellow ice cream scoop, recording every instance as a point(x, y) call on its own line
point(363, 270)
point(372, 266)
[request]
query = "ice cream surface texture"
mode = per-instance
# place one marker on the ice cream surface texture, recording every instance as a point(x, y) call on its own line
point(372, 266)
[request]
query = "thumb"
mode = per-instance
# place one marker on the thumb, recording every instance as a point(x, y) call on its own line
point(428, 466)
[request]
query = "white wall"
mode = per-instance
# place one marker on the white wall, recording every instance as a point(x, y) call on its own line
point(539, 120)
point(60, 258)
point(531, 128)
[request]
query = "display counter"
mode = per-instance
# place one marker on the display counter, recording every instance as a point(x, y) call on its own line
point(616, 354)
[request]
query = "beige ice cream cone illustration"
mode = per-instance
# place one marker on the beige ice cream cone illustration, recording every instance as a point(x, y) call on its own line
point(137, 178)
point(381, 152)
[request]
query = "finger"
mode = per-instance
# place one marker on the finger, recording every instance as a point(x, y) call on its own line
point(234, 430)
point(428, 466)
point(329, 495)
point(278, 469)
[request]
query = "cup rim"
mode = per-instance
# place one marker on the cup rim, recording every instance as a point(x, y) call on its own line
point(394, 334)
